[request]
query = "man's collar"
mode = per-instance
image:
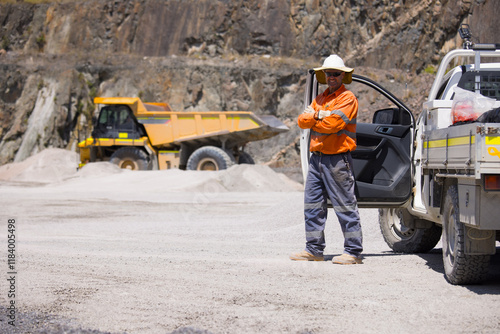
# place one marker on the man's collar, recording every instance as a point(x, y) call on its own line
point(337, 92)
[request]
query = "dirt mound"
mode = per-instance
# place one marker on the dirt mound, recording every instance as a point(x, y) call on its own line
point(256, 178)
point(58, 165)
point(50, 165)
point(99, 169)
point(238, 178)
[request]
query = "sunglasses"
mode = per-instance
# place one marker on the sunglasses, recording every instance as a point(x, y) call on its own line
point(333, 74)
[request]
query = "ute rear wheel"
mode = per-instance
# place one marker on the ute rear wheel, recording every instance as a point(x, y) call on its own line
point(403, 239)
point(459, 268)
point(209, 158)
point(132, 158)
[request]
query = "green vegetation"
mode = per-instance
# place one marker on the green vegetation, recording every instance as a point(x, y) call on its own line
point(430, 69)
point(41, 84)
point(5, 43)
point(92, 90)
point(40, 41)
point(79, 107)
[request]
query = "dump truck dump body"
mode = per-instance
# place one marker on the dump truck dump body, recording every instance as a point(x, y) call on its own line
point(173, 128)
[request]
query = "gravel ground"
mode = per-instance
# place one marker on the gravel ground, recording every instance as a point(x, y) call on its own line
point(106, 251)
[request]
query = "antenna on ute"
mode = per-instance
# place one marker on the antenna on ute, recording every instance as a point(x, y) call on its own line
point(465, 34)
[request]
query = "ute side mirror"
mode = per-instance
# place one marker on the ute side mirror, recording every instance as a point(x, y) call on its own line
point(384, 116)
point(391, 116)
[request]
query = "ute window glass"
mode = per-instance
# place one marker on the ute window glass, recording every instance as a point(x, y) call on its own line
point(489, 84)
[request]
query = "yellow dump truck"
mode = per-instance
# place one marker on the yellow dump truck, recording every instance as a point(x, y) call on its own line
point(142, 136)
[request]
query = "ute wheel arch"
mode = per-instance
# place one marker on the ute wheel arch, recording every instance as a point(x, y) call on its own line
point(132, 158)
point(402, 239)
point(209, 158)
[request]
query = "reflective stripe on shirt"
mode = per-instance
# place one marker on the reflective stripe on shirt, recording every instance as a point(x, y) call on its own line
point(341, 132)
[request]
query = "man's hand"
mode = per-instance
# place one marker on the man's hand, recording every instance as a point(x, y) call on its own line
point(324, 113)
point(309, 110)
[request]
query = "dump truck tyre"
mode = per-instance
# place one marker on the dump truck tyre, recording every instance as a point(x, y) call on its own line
point(209, 158)
point(245, 158)
point(403, 239)
point(459, 268)
point(132, 158)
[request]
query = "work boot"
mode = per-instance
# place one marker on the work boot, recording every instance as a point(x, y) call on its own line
point(347, 259)
point(305, 256)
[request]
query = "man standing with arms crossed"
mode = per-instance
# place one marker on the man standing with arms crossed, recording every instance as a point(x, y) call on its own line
point(331, 117)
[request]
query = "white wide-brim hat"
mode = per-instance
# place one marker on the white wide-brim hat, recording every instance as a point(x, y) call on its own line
point(333, 62)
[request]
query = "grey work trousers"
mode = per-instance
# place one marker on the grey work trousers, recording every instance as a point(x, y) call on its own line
point(331, 176)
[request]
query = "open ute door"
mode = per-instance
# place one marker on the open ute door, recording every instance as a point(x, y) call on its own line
point(382, 160)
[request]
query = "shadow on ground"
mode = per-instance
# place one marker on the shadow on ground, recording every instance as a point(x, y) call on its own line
point(491, 283)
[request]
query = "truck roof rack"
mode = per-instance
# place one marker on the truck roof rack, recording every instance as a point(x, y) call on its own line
point(470, 49)
point(466, 35)
point(485, 46)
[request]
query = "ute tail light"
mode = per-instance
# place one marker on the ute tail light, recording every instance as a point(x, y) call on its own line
point(492, 182)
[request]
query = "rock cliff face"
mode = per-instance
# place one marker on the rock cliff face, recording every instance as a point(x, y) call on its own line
point(404, 34)
point(207, 55)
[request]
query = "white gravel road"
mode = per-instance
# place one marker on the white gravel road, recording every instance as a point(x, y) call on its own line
point(105, 250)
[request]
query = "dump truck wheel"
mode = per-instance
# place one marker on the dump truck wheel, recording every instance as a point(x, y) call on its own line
point(209, 158)
point(459, 268)
point(402, 239)
point(245, 158)
point(131, 158)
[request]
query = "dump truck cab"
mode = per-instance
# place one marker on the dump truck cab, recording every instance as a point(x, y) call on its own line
point(117, 121)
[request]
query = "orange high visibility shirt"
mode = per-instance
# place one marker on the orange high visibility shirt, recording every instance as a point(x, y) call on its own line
point(335, 133)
